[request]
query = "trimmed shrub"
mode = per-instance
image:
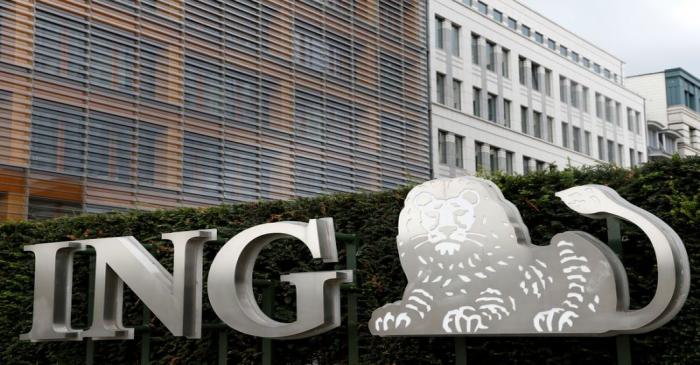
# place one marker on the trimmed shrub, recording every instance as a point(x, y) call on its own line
point(668, 189)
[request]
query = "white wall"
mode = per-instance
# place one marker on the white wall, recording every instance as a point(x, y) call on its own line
point(464, 123)
point(653, 88)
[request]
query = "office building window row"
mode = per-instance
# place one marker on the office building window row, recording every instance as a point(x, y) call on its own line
point(491, 60)
point(537, 37)
point(540, 78)
point(611, 111)
point(531, 165)
point(570, 94)
point(498, 159)
point(441, 91)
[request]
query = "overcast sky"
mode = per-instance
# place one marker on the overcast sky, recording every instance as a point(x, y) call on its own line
point(649, 35)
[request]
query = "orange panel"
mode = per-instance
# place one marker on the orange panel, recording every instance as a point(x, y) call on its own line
point(68, 189)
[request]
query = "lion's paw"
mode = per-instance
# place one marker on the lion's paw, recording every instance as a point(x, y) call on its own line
point(546, 321)
point(463, 320)
point(391, 320)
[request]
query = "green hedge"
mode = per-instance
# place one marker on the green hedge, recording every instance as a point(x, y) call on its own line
point(669, 189)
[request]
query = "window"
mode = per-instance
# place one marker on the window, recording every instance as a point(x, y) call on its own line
point(552, 44)
point(563, 51)
point(512, 23)
point(565, 134)
point(506, 112)
point(562, 89)
point(497, 16)
point(535, 71)
point(467, 2)
point(113, 61)
point(548, 82)
point(539, 37)
point(491, 102)
point(587, 143)
point(606, 73)
point(637, 121)
point(537, 119)
point(608, 110)
point(440, 88)
point(574, 56)
point(483, 8)
point(455, 39)
point(540, 165)
point(204, 81)
point(577, 138)
point(620, 148)
point(505, 63)
point(550, 129)
point(630, 120)
point(57, 137)
point(202, 154)
point(61, 44)
point(439, 35)
point(689, 100)
point(618, 114)
point(584, 99)
point(491, 56)
point(442, 146)
point(525, 30)
point(524, 120)
point(574, 94)
point(640, 158)
point(586, 62)
point(596, 68)
point(459, 151)
point(110, 141)
point(526, 165)
point(509, 162)
point(150, 148)
point(478, 157)
point(611, 151)
point(475, 49)
point(522, 69)
point(601, 148)
point(599, 106)
point(493, 159)
point(457, 94)
point(476, 105)
point(45, 208)
point(633, 155)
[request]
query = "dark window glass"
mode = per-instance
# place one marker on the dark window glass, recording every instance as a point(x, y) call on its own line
point(525, 30)
point(57, 137)
point(483, 8)
point(110, 141)
point(539, 37)
point(439, 33)
point(497, 16)
point(60, 47)
point(459, 151)
point(43, 208)
point(202, 165)
point(442, 146)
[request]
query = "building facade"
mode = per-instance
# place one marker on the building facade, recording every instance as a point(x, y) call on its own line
point(151, 104)
point(673, 111)
point(513, 91)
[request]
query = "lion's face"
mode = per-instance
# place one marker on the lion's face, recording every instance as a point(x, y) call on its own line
point(447, 221)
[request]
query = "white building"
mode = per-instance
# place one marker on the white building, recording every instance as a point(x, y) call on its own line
point(672, 111)
point(514, 91)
